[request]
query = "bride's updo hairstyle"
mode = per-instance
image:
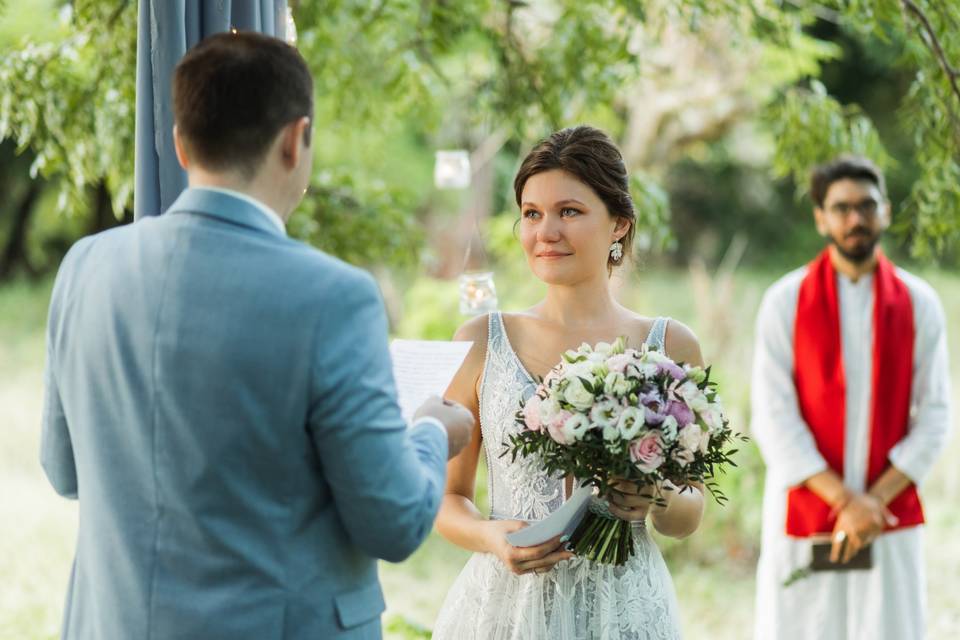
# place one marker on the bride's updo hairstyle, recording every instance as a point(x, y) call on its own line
point(591, 157)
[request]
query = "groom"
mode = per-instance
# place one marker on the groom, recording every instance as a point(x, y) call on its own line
point(220, 399)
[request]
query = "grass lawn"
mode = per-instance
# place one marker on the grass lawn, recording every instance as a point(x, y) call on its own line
point(713, 570)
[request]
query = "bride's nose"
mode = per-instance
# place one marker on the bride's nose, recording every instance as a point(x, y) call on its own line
point(549, 230)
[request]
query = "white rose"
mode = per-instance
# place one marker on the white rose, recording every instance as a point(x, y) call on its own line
point(688, 390)
point(669, 428)
point(577, 395)
point(549, 408)
point(690, 437)
point(698, 403)
point(630, 423)
point(575, 427)
point(712, 417)
point(683, 456)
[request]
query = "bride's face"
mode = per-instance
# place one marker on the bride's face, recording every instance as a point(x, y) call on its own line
point(565, 229)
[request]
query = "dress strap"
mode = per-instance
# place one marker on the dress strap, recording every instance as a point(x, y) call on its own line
point(658, 334)
point(494, 329)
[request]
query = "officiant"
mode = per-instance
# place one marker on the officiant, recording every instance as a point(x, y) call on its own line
point(850, 408)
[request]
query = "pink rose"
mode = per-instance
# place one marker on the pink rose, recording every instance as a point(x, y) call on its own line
point(647, 452)
point(555, 427)
point(531, 413)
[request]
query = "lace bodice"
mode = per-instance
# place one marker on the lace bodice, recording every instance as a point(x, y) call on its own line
point(518, 490)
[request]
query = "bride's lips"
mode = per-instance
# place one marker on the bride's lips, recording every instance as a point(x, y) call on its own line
point(552, 255)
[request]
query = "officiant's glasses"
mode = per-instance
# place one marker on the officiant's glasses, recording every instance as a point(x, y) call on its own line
point(867, 208)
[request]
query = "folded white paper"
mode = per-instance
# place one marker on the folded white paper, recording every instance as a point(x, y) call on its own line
point(563, 521)
point(424, 368)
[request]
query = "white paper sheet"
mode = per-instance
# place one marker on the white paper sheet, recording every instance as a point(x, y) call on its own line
point(424, 368)
point(562, 521)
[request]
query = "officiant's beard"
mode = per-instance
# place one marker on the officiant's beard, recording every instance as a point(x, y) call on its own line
point(856, 252)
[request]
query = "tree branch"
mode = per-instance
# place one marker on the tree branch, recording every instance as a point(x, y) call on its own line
point(929, 36)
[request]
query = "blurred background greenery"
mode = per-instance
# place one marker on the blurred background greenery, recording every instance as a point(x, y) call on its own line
point(720, 107)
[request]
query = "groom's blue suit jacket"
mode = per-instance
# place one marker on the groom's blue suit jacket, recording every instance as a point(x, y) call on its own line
point(220, 400)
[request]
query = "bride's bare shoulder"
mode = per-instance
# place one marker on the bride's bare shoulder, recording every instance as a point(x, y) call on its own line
point(475, 330)
point(681, 343)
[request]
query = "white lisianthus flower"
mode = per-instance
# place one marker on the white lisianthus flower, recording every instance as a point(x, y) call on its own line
point(605, 412)
point(616, 384)
point(577, 395)
point(669, 427)
point(603, 348)
point(576, 427)
point(646, 369)
point(630, 423)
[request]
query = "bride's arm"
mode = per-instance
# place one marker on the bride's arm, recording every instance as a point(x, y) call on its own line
point(684, 511)
point(459, 520)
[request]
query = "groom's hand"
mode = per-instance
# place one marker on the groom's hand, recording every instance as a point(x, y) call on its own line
point(456, 419)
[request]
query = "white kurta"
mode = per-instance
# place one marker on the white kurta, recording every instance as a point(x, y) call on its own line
point(889, 601)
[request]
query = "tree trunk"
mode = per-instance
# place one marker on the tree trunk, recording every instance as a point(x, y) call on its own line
point(14, 253)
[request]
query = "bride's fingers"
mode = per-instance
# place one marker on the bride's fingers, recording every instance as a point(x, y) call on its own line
point(628, 501)
point(545, 562)
point(629, 514)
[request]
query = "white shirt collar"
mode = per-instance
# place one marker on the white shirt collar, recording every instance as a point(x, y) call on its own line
point(271, 215)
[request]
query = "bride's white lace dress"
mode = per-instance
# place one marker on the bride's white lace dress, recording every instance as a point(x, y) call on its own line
point(576, 600)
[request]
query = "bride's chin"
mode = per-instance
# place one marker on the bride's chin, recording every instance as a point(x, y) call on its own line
point(555, 276)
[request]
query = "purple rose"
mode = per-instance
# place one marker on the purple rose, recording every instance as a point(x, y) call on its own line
point(681, 412)
point(676, 371)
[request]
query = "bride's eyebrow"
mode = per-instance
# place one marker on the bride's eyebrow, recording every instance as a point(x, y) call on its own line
point(560, 203)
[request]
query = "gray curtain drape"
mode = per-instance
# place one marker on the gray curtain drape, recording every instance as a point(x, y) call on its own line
point(165, 30)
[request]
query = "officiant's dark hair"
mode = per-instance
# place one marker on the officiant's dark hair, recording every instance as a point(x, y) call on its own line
point(844, 167)
point(588, 154)
point(232, 94)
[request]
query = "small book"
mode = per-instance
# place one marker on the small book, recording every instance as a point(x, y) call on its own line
point(562, 521)
point(821, 559)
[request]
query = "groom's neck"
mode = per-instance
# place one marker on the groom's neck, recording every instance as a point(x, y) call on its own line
point(255, 187)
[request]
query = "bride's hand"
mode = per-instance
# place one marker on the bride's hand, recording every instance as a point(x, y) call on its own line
point(521, 560)
point(633, 503)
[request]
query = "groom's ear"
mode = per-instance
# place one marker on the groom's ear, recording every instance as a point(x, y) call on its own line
point(295, 141)
point(178, 146)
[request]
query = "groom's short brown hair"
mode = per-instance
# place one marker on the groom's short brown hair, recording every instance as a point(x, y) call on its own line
point(233, 92)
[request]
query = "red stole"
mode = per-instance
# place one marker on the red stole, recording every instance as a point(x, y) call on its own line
point(821, 386)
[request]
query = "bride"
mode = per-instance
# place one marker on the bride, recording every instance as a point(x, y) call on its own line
point(576, 225)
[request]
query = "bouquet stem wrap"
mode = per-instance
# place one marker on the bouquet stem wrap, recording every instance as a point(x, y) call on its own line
point(602, 537)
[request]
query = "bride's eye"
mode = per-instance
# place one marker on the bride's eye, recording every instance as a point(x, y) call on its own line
point(569, 212)
point(532, 214)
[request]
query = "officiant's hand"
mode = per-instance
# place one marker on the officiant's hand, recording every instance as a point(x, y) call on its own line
point(860, 520)
point(633, 503)
point(456, 419)
point(522, 560)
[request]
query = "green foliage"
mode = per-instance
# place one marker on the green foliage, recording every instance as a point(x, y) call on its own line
point(810, 127)
point(72, 103)
point(929, 35)
point(361, 224)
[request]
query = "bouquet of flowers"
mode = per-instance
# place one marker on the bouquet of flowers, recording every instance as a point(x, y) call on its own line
point(609, 413)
